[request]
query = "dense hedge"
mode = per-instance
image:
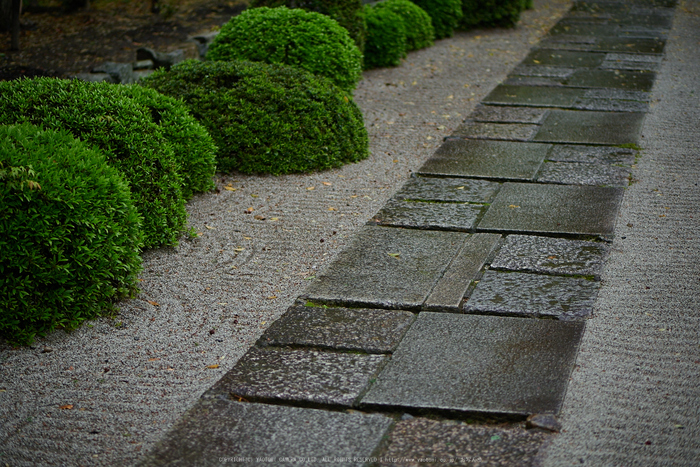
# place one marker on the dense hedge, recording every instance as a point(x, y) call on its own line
point(386, 38)
point(418, 25)
point(268, 118)
point(348, 13)
point(70, 235)
point(445, 15)
point(491, 12)
point(99, 114)
point(304, 39)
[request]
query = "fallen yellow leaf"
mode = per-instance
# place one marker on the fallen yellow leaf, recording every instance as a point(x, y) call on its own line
point(238, 249)
point(460, 188)
point(210, 227)
point(66, 407)
point(332, 209)
point(272, 297)
point(153, 359)
point(327, 183)
point(310, 188)
point(230, 188)
point(248, 238)
point(153, 303)
point(513, 206)
point(260, 218)
point(274, 218)
point(212, 367)
point(394, 255)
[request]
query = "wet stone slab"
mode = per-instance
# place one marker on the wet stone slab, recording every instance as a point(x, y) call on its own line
point(536, 96)
point(533, 81)
point(472, 363)
point(422, 438)
point(217, 428)
point(460, 190)
point(429, 215)
point(544, 71)
point(387, 268)
point(505, 114)
point(302, 376)
point(533, 295)
point(497, 131)
point(367, 330)
point(609, 128)
point(617, 79)
point(553, 209)
point(486, 159)
point(564, 58)
point(547, 255)
point(572, 173)
point(610, 105)
point(592, 154)
point(615, 61)
point(606, 44)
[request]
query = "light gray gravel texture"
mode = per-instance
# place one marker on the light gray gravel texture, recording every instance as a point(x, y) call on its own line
point(204, 303)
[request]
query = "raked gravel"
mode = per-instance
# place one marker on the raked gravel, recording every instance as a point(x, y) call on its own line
point(105, 393)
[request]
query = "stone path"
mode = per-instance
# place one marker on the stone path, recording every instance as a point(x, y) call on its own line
point(466, 296)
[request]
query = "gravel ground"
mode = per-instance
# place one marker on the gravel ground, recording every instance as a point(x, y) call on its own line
point(104, 394)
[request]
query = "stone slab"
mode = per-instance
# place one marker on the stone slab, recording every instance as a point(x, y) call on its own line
point(459, 190)
point(505, 114)
point(485, 364)
point(617, 61)
point(497, 131)
point(535, 96)
point(573, 173)
point(553, 209)
point(607, 44)
point(617, 79)
point(547, 255)
point(609, 128)
point(533, 81)
point(387, 268)
point(259, 434)
point(592, 154)
point(486, 159)
point(610, 105)
point(460, 443)
point(564, 58)
point(299, 376)
point(429, 215)
point(451, 288)
point(533, 296)
point(367, 330)
point(543, 71)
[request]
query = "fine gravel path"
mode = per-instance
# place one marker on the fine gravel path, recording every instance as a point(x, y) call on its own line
point(104, 394)
point(633, 399)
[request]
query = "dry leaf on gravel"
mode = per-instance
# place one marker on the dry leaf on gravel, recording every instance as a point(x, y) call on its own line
point(153, 303)
point(212, 367)
point(66, 407)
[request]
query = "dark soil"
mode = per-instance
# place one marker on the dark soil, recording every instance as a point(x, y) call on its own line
point(60, 44)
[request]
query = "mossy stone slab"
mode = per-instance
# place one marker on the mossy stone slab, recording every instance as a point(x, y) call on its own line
point(301, 376)
point(592, 154)
point(484, 364)
point(460, 190)
point(427, 215)
point(497, 131)
point(216, 429)
point(564, 58)
point(543, 71)
point(535, 96)
point(630, 45)
point(506, 114)
point(486, 159)
point(590, 127)
point(533, 295)
point(574, 173)
point(637, 62)
point(617, 79)
point(553, 209)
point(367, 330)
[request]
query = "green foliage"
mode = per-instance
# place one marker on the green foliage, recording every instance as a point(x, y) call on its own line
point(101, 115)
point(528, 4)
point(445, 15)
point(194, 149)
point(268, 118)
point(295, 37)
point(348, 13)
point(70, 235)
point(386, 38)
point(491, 13)
point(418, 25)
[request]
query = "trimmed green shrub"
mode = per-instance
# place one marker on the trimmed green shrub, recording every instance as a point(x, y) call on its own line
point(348, 13)
point(101, 115)
point(268, 118)
point(194, 148)
point(504, 13)
point(445, 15)
point(70, 235)
point(304, 39)
point(386, 38)
point(418, 25)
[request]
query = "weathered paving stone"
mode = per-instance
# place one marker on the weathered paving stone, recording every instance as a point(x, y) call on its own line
point(368, 330)
point(615, 61)
point(564, 58)
point(387, 268)
point(504, 114)
point(544, 71)
point(607, 44)
point(536, 96)
point(591, 154)
point(533, 81)
point(610, 128)
point(422, 438)
point(473, 363)
point(573, 173)
point(619, 94)
point(302, 376)
point(486, 159)
point(568, 27)
point(553, 209)
point(533, 295)
point(429, 215)
point(460, 190)
point(451, 288)
point(611, 105)
point(549, 255)
point(497, 131)
point(618, 79)
point(262, 434)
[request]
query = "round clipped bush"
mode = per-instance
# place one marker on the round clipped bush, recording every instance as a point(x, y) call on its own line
point(268, 118)
point(386, 38)
point(70, 235)
point(479, 13)
point(304, 39)
point(445, 15)
point(418, 25)
point(348, 13)
point(193, 147)
point(101, 115)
